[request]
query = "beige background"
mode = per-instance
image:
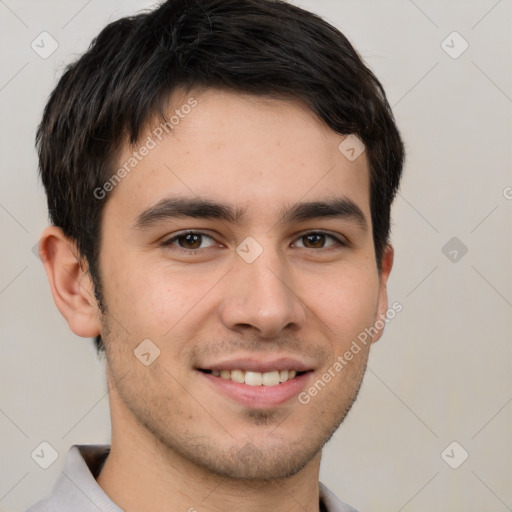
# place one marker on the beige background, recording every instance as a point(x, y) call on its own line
point(441, 373)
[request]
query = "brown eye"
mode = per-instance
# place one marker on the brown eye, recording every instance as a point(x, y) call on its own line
point(317, 241)
point(190, 241)
point(314, 241)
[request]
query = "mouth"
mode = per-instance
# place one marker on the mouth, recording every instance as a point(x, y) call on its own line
point(258, 384)
point(270, 378)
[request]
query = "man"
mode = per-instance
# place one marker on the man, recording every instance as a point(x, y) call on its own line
point(219, 177)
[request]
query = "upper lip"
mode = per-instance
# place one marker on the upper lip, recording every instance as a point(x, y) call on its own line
point(254, 364)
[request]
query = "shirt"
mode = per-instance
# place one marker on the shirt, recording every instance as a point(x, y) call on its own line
point(76, 488)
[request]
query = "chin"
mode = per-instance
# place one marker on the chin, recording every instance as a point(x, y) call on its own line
point(271, 460)
point(252, 463)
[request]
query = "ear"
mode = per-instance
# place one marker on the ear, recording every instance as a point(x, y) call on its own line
point(382, 303)
point(71, 285)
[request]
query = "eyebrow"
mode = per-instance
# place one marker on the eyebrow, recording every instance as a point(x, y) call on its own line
point(340, 208)
point(180, 207)
point(201, 208)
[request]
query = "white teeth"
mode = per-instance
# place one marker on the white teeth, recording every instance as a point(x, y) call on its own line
point(253, 378)
point(272, 378)
point(238, 376)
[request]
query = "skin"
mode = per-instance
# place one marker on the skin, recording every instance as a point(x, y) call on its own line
point(177, 442)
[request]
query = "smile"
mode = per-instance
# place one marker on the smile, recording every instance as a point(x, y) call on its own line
point(259, 390)
point(270, 378)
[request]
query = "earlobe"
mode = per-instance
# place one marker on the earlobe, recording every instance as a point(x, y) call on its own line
point(71, 285)
point(382, 306)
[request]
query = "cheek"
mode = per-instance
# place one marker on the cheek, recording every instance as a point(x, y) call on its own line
point(136, 290)
point(347, 302)
point(158, 301)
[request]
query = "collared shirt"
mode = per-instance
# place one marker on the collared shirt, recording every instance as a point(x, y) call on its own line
point(76, 489)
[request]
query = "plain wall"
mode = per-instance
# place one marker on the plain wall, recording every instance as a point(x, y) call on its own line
point(442, 371)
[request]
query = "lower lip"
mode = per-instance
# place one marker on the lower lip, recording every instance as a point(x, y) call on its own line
point(259, 396)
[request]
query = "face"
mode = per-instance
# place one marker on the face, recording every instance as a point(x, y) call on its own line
point(241, 247)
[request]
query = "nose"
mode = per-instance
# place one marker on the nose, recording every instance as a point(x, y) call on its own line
point(262, 296)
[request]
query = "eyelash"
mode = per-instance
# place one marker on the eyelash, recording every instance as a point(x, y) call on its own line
point(170, 242)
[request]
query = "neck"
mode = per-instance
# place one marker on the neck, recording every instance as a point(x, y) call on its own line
point(141, 474)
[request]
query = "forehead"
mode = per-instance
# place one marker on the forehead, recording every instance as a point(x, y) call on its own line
point(253, 152)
